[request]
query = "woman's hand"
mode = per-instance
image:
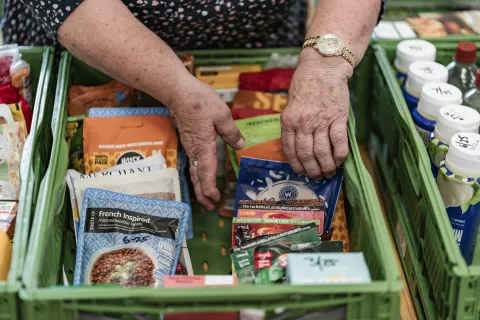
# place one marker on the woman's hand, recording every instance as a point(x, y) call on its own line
point(314, 123)
point(201, 115)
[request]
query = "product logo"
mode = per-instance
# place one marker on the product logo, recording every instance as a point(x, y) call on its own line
point(288, 193)
point(129, 157)
point(458, 234)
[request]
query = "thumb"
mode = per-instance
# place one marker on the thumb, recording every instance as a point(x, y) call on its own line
point(227, 129)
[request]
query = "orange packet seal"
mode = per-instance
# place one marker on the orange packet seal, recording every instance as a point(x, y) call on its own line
point(245, 99)
point(339, 223)
point(270, 150)
point(118, 140)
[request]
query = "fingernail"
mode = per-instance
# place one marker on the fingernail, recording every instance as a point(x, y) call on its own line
point(241, 143)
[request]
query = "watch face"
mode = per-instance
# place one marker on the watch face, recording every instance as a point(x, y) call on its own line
point(330, 44)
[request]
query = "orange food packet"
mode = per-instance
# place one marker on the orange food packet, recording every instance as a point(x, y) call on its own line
point(113, 94)
point(245, 99)
point(270, 150)
point(339, 223)
point(112, 141)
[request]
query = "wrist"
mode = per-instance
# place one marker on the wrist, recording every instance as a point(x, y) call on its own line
point(312, 59)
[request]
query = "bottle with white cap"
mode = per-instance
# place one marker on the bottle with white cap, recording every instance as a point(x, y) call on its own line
point(419, 74)
point(409, 51)
point(459, 185)
point(434, 96)
point(453, 119)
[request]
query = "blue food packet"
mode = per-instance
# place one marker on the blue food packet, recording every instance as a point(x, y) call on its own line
point(181, 156)
point(128, 240)
point(276, 181)
point(127, 112)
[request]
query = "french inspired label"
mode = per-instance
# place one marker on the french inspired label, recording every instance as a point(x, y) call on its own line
point(424, 134)
point(107, 220)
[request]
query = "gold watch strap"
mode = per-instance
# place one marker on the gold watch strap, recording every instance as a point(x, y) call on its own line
point(346, 53)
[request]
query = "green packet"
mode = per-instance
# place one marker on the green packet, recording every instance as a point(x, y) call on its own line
point(256, 130)
point(271, 260)
point(243, 257)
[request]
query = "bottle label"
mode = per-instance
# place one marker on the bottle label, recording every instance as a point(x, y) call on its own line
point(461, 197)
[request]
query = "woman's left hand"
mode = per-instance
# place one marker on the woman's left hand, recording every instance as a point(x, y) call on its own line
point(314, 123)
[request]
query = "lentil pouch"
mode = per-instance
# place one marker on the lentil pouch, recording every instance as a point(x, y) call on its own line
point(276, 181)
point(128, 240)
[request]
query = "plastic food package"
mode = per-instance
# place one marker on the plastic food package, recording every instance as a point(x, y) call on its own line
point(243, 257)
point(259, 100)
point(239, 114)
point(8, 216)
point(9, 55)
point(17, 114)
point(271, 260)
point(270, 150)
point(282, 61)
point(148, 165)
point(275, 181)
point(247, 229)
point(6, 256)
point(267, 81)
point(282, 210)
point(20, 74)
point(127, 112)
point(256, 130)
point(111, 141)
point(113, 94)
point(12, 139)
point(127, 240)
point(10, 95)
point(339, 226)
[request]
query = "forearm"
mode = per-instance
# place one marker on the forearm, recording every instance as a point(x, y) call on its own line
point(352, 21)
point(106, 35)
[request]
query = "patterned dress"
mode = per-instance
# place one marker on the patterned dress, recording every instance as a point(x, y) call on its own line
point(183, 24)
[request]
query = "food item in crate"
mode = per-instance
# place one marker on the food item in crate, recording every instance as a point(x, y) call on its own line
point(435, 24)
point(162, 184)
point(6, 256)
point(327, 268)
point(112, 94)
point(453, 119)
point(472, 97)
point(245, 99)
point(463, 68)
point(9, 55)
point(128, 240)
point(198, 282)
point(339, 228)
point(256, 130)
point(8, 216)
point(127, 112)
point(409, 51)
point(112, 141)
point(75, 145)
point(277, 60)
point(419, 74)
point(12, 139)
point(271, 260)
point(246, 229)
point(243, 256)
point(184, 264)
point(270, 150)
point(224, 79)
point(275, 181)
point(16, 113)
point(273, 80)
point(434, 96)
point(9, 95)
point(459, 185)
point(282, 210)
point(20, 74)
point(239, 114)
point(6, 115)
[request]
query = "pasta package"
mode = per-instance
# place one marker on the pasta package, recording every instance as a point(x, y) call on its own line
point(247, 99)
point(12, 139)
point(127, 240)
point(270, 150)
point(119, 140)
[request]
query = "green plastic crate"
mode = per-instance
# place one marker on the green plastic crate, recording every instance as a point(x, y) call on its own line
point(43, 296)
point(34, 162)
point(442, 285)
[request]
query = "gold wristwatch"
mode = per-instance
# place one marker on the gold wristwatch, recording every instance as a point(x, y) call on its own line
point(329, 45)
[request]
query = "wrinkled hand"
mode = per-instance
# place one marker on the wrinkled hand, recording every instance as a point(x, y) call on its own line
point(201, 115)
point(314, 123)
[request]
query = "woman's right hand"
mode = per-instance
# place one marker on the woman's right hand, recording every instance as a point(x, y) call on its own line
point(201, 115)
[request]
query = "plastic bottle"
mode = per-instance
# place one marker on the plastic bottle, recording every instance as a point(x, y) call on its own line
point(419, 74)
point(409, 51)
point(459, 185)
point(453, 119)
point(472, 97)
point(434, 96)
point(462, 70)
